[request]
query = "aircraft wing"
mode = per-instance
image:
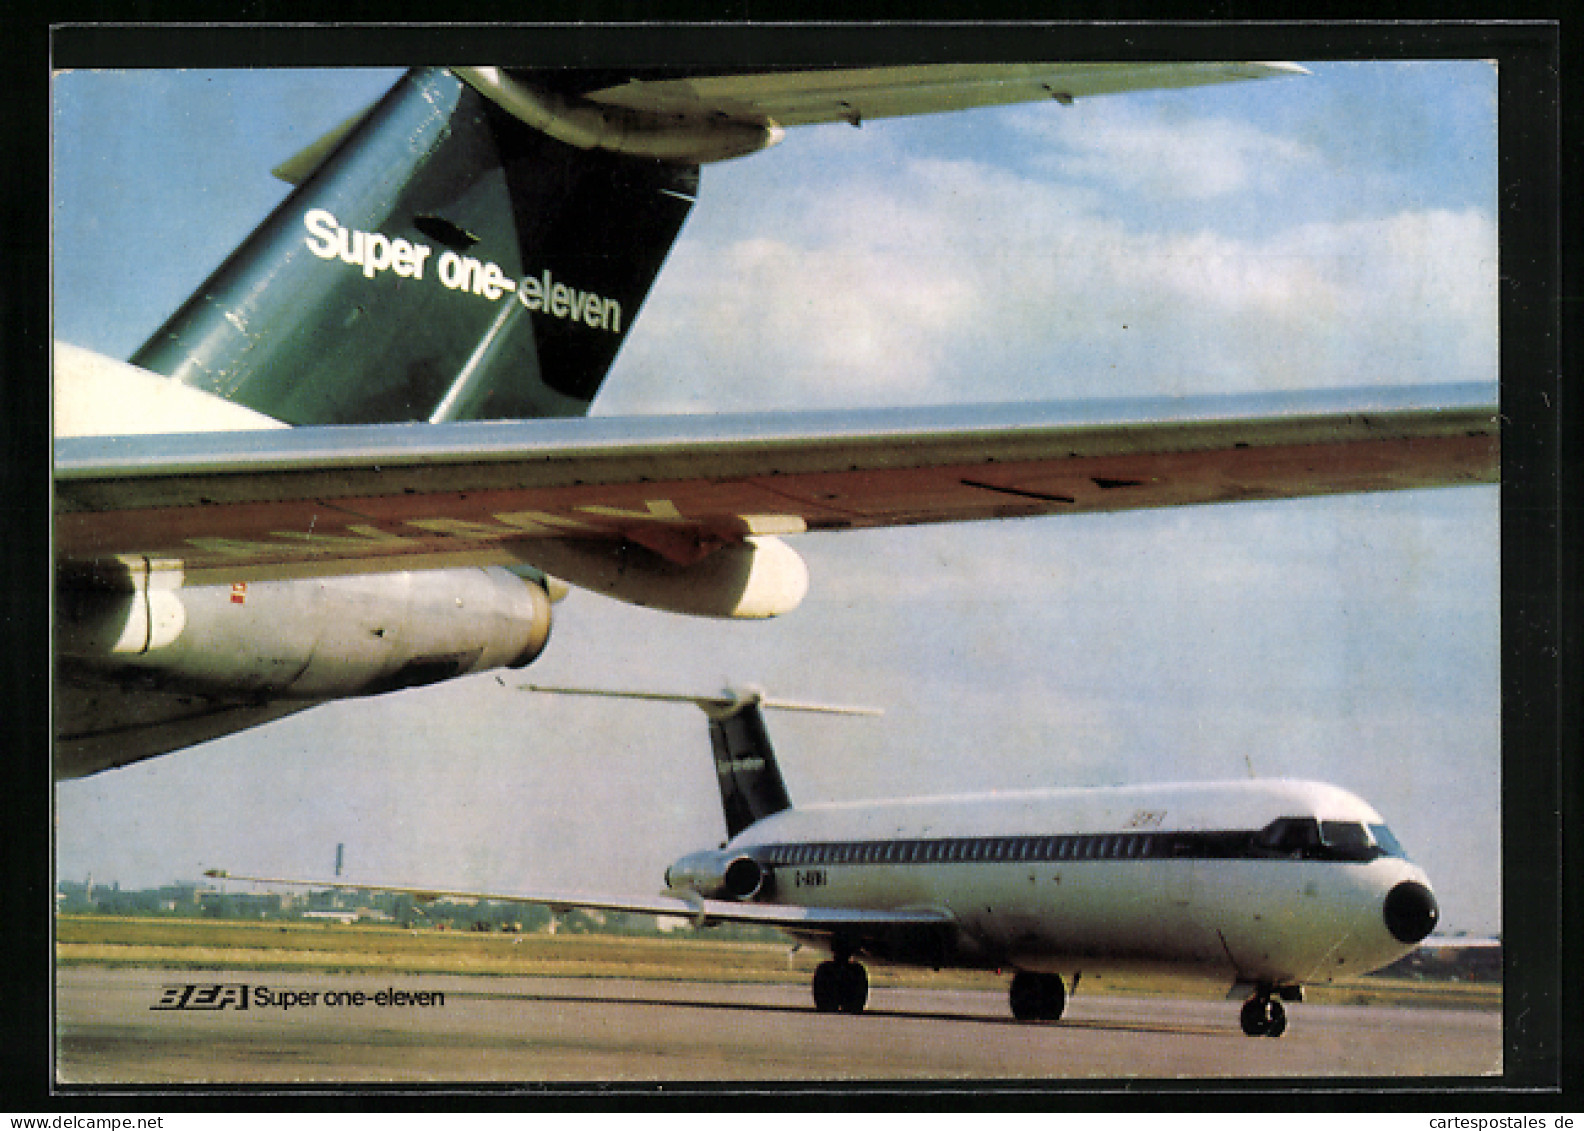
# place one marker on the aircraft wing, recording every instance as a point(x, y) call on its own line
point(796, 97)
point(317, 500)
point(703, 912)
point(713, 114)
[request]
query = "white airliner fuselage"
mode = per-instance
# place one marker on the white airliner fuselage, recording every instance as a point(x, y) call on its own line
point(1151, 876)
point(1261, 884)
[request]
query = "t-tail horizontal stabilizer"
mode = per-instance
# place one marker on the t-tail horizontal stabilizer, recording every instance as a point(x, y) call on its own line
point(750, 782)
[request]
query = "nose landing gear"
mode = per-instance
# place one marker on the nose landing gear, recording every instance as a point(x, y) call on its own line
point(841, 986)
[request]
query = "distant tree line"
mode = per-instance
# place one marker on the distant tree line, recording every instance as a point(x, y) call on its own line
point(194, 901)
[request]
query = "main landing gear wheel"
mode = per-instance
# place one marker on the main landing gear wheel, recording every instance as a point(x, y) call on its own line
point(1264, 1016)
point(1037, 997)
point(840, 987)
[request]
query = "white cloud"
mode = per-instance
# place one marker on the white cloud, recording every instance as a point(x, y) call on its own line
point(1167, 157)
point(963, 282)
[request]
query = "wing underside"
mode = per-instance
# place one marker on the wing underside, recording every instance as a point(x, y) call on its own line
point(326, 500)
point(707, 114)
point(802, 96)
point(102, 723)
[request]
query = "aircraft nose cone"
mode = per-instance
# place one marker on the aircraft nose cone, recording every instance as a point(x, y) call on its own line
point(1410, 912)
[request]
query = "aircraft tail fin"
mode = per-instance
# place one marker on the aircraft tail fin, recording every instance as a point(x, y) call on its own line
point(439, 259)
point(750, 781)
point(751, 786)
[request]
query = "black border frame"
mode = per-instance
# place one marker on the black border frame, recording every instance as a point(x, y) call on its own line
point(1541, 784)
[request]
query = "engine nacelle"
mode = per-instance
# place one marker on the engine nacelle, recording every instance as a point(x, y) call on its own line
point(759, 577)
point(718, 875)
point(311, 638)
point(591, 125)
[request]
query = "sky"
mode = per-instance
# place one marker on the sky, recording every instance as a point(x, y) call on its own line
point(1335, 229)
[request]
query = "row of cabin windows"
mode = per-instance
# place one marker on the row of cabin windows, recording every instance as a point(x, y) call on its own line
point(1117, 846)
point(1286, 838)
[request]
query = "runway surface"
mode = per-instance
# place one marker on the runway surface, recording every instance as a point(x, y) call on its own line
point(546, 1030)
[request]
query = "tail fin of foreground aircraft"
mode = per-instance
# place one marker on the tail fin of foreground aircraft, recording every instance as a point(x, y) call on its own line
point(439, 260)
point(750, 782)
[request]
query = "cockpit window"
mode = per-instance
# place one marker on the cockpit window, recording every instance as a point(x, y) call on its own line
point(1305, 838)
point(1288, 836)
point(1388, 843)
point(1347, 840)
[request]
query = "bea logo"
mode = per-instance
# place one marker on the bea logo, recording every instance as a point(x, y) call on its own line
point(204, 995)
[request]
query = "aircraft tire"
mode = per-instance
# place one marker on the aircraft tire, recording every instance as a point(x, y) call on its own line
point(1037, 997)
point(853, 986)
point(827, 987)
point(1263, 1017)
point(1252, 1017)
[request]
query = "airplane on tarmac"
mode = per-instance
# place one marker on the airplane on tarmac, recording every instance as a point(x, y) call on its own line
point(352, 461)
point(1265, 885)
